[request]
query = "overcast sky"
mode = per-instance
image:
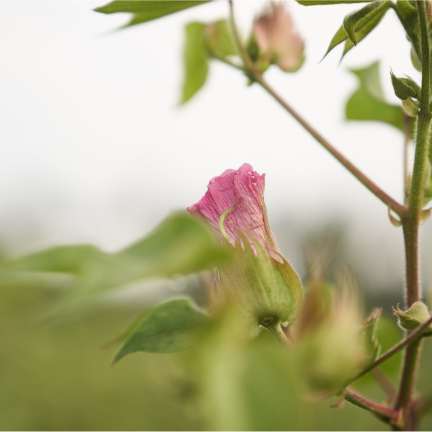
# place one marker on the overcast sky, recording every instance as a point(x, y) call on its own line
point(94, 147)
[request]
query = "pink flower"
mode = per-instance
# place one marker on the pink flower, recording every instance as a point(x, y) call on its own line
point(277, 38)
point(243, 191)
point(259, 280)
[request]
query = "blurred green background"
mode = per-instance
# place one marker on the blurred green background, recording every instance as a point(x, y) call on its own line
point(56, 376)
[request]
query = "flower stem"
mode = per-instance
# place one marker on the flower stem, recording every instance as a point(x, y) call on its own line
point(257, 77)
point(412, 221)
point(413, 337)
point(409, 374)
point(384, 413)
point(278, 333)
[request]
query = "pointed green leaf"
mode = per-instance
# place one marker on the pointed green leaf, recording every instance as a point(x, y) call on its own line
point(367, 102)
point(353, 18)
point(147, 10)
point(166, 328)
point(414, 317)
point(368, 330)
point(359, 24)
point(195, 60)
point(372, 20)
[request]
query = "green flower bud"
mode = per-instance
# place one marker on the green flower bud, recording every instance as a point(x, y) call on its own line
point(405, 88)
point(414, 317)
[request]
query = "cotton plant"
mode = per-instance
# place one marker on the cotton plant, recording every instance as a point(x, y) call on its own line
point(264, 341)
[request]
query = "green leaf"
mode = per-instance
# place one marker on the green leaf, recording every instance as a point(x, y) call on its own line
point(414, 317)
point(244, 385)
point(358, 25)
point(373, 19)
point(353, 18)
point(369, 333)
point(180, 245)
point(195, 60)
point(220, 40)
point(147, 10)
point(367, 102)
point(408, 15)
point(166, 328)
point(329, 2)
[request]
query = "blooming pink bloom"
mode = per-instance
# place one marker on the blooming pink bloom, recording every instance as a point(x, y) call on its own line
point(243, 189)
point(278, 39)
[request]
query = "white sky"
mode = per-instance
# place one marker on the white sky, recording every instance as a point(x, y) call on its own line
point(93, 147)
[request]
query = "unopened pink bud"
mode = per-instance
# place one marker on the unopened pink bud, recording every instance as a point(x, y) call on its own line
point(277, 38)
point(259, 279)
point(243, 191)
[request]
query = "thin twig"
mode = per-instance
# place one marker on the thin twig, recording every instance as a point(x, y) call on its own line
point(257, 76)
point(384, 382)
point(384, 413)
point(411, 338)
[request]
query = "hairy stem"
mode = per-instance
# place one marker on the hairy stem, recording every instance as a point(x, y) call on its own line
point(384, 413)
point(409, 374)
point(412, 222)
point(407, 122)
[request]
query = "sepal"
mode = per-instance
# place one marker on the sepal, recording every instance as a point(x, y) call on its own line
point(405, 88)
point(414, 317)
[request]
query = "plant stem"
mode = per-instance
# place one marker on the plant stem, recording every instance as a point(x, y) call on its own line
point(279, 334)
point(257, 76)
point(407, 122)
point(384, 413)
point(412, 222)
point(374, 188)
point(409, 374)
point(384, 382)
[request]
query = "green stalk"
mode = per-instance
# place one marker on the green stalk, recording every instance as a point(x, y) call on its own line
point(412, 222)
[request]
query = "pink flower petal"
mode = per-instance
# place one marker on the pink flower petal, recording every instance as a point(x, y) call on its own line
point(243, 188)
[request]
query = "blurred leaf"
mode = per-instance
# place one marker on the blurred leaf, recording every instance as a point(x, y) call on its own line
point(329, 2)
point(369, 332)
point(195, 60)
point(220, 40)
point(242, 384)
point(166, 328)
point(180, 245)
point(147, 10)
point(368, 103)
point(271, 389)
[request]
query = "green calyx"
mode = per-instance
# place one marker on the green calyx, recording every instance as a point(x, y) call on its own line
point(414, 317)
point(411, 107)
point(266, 291)
point(405, 88)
